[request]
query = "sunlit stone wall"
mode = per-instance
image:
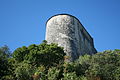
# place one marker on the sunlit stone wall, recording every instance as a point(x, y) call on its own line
point(68, 32)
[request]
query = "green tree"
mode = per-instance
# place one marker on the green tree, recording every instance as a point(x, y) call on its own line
point(105, 65)
point(43, 54)
point(47, 55)
point(24, 71)
point(4, 55)
point(20, 53)
point(46, 62)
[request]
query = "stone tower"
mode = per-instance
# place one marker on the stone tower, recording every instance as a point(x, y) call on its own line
point(67, 31)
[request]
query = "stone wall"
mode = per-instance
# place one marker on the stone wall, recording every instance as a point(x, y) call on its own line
point(68, 32)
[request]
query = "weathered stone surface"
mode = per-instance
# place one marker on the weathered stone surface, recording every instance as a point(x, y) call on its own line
point(68, 32)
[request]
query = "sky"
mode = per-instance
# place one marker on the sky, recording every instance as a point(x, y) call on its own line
point(22, 22)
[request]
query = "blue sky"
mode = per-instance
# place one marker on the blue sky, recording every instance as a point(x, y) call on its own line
point(22, 22)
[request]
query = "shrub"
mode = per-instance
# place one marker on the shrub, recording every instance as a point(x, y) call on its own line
point(24, 71)
point(105, 65)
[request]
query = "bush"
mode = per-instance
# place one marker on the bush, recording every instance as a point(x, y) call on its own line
point(43, 54)
point(105, 65)
point(46, 62)
point(4, 64)
point(24, 71)
point(53, 73)
point(40, 73)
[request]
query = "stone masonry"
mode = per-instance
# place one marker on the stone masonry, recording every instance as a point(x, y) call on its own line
point(67, 31)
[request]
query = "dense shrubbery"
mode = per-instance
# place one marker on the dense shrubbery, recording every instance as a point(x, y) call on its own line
point(46, 62)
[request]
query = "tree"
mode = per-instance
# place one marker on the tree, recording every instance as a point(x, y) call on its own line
point(46, 55)
point(43, 54)
point(46, 62)
point(4, 55)
point(20, 53)
point(24, 71)
point(105, 65)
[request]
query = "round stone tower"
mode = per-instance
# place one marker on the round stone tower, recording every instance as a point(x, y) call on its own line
point(67, 31)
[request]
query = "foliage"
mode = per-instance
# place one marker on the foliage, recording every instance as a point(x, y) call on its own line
point(4, 66)
point(53, 73)
point(43, 54)
point(19, 53)
point(70, 76)
point(40, 73)
point(73, 76)
point(49, 62)
point(24, 71)
point(101, 66)
point(105, 65)
point(83, 64)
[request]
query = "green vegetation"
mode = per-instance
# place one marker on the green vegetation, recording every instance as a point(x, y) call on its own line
point(48, 62)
